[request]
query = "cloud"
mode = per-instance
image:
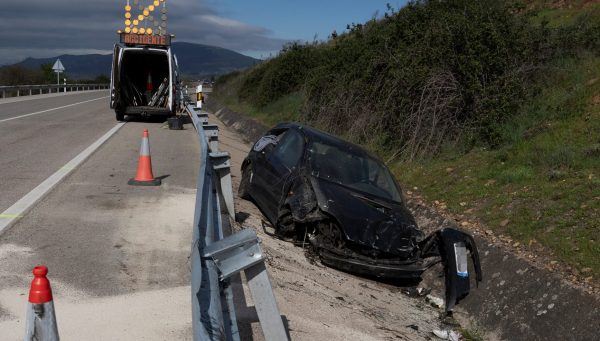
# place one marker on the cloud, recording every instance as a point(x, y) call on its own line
point(42, 28)
point(227, 24)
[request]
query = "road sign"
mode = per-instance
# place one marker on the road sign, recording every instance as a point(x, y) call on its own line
point(58, 67)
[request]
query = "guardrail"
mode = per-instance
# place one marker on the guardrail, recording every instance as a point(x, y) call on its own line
point(215, 258)
point(28, 90)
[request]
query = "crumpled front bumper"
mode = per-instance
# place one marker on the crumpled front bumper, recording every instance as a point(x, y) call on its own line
point(448, 245)
point(385, 270)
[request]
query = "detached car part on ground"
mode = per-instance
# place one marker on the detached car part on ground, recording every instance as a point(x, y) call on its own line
point(318, 189)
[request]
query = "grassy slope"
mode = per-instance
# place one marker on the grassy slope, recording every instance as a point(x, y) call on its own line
point(542, 187)
point(284, 109)
point(545, 186)
point(562, 14)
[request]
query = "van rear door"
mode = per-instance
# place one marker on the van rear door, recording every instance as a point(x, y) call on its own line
point(171, 81)
point(115, 95)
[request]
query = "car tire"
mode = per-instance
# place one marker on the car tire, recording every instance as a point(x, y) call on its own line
point(285, 226)
point(119, 116)
point(244, 189)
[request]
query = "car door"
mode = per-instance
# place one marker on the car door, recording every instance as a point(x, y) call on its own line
point(275, 169)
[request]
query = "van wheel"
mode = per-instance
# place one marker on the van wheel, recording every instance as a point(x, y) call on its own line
point(120, 116)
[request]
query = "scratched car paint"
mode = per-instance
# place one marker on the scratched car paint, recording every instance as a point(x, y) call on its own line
point(330, 194)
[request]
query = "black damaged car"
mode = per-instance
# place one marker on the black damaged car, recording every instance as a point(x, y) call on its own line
point(319, 189)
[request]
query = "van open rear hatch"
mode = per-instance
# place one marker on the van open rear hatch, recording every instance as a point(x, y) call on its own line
point(145, 85)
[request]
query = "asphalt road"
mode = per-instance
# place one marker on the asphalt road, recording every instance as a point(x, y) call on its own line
point(34, 147)
point(117, 254)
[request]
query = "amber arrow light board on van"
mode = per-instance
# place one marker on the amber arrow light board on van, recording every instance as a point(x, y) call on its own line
point(151, 20)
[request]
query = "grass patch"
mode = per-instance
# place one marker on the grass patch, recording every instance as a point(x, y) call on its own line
point(471, 334)
point(546, 182)
point(286, 108)
point(560, 17)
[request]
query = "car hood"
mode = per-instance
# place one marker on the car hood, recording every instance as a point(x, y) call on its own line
point(378, 225)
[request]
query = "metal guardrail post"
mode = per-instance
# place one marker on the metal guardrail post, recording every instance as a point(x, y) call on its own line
point(212, 132)
point(242, 252)
point(203, 117)
point(222, 165)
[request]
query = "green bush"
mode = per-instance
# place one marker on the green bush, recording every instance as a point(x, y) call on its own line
point(430, 76)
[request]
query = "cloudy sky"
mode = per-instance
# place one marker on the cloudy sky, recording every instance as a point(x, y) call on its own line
point(47, 28)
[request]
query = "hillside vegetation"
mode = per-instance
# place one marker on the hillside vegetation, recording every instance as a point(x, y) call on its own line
point(489, 108)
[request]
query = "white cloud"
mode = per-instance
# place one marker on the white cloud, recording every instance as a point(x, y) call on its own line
point(228, 24)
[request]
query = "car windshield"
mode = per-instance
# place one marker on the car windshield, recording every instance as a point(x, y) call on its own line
point(353, 169)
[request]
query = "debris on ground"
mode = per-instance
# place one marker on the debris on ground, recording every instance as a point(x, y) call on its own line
point(413, 327)
point(435, 301)
point(416, 291)
point(448, 335)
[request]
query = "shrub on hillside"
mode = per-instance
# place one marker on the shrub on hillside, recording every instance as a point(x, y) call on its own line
point(280, 76)
point(432, 73)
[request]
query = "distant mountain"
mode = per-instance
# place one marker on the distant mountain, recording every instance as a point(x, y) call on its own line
point(193, 59)
point(197, 59)
point(77, 67)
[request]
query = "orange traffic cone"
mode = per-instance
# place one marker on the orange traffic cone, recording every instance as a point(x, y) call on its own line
point(41, 319)
point(144, 176)
point(149, 88)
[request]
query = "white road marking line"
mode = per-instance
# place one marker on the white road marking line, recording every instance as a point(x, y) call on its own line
point(18, 209)
point(44, 111)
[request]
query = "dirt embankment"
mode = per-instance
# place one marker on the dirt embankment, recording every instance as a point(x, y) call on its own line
point(517, 300)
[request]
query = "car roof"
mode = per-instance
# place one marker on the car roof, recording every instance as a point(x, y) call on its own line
point(315, 134)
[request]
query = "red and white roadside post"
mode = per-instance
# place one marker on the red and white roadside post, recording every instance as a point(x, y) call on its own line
point(41, 319)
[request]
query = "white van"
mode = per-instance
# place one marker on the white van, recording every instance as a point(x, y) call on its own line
point(144, 79)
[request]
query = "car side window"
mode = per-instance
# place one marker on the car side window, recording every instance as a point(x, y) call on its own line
point(289, 148)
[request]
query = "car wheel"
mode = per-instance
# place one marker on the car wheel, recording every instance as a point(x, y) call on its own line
point(120, 116)
point(285, 226)
point(244, 189)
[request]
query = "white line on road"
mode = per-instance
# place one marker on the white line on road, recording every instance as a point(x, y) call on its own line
point(44, 111)
point(18, 209)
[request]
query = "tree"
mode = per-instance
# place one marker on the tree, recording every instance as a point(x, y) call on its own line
point(101, 79)
point(48, 74)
